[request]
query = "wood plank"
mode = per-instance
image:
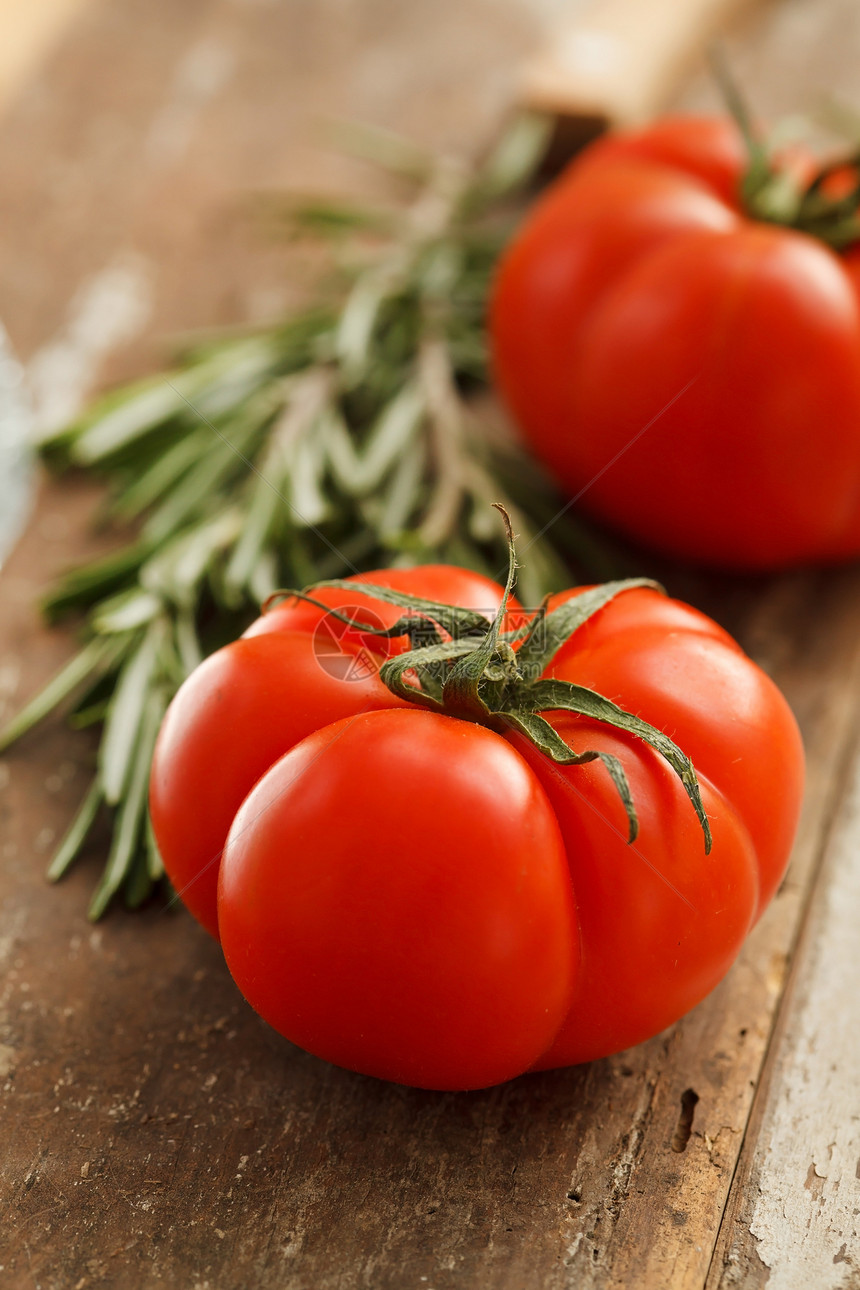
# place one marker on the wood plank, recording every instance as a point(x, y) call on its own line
point(793, 1218)
point(156, 1131)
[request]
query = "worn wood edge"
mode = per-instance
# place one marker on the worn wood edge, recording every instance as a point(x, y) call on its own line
point(805, 1220)
point(736, 1261)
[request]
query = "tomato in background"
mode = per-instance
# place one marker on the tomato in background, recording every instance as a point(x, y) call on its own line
point(690, 372)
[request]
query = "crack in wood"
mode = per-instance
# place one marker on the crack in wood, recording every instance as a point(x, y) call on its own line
point(684, 1127)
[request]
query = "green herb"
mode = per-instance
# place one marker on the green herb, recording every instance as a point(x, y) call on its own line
point(775, 193)
point(343, 439)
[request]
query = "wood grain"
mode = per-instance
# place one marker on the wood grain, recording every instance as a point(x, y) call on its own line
point(793, 1219)
point(155, 1131)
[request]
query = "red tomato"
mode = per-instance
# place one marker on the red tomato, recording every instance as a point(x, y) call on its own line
point(690, 374)
point(419, 897)
point(250, 702)
point(394, 897)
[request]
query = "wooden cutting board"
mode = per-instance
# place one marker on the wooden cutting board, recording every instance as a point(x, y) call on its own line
point(155, 1132)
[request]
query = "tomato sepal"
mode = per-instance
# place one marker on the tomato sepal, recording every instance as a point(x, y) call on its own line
point(479, 676)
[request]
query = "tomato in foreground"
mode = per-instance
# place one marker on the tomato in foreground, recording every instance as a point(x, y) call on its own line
point(676, 329)
point(424, 862)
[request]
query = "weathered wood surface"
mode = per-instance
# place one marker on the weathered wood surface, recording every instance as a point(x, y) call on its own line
point(793, 1220)
point(153, 1130)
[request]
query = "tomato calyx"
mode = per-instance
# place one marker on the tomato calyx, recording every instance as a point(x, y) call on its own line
point(825, 205)
point(775, 196)
point(460, 666)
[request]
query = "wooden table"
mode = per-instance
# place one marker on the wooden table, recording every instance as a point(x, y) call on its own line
point(154, 1131)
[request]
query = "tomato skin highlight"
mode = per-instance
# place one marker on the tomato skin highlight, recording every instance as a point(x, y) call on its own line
point(640, 318)
point(240, 710)
point(707, 149)
point(248, 704)
point(427, 934)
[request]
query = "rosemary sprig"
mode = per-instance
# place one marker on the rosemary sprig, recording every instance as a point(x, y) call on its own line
point(340, 439)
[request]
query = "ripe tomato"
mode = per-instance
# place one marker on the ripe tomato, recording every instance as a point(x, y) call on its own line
point(294, 671)
point(688, 370)
point(394, 898)
point(436, 901)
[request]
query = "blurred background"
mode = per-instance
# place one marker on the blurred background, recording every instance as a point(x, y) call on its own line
point(134, 133)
